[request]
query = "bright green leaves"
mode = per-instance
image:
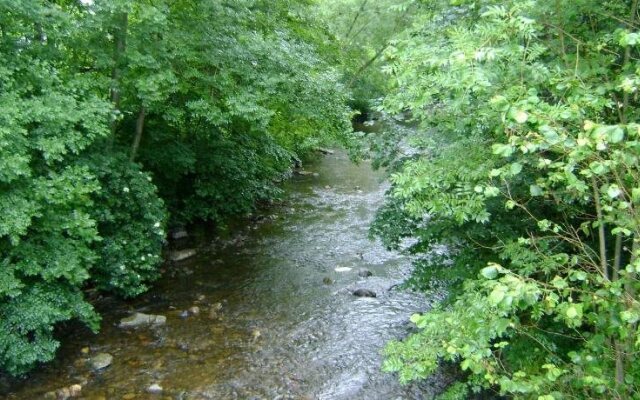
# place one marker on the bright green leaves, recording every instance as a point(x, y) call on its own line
point(560, 184)
point(219, 98)
point(627, 38)
point(491, 272)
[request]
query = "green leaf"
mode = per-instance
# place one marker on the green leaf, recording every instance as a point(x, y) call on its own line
point(515, 168)
point(521, 117)
point(614, 191)
point(490, 272)
point(535, 190)
point(497, 295)
point(615, 134)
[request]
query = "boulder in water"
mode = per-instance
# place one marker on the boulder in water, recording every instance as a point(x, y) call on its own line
point(364, 293)
point(140, 319)
point(101, 361)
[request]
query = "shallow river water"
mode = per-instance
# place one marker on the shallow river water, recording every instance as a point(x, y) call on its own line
point(276, 320)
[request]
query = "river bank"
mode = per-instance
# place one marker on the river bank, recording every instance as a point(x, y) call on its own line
point(267, 313)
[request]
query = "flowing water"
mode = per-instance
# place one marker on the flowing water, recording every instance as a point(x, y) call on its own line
point(276, 320)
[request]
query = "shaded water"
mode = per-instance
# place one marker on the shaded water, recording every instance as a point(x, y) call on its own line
point(288, 327)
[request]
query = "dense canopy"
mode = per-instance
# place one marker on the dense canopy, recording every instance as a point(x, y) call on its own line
point(518, 153)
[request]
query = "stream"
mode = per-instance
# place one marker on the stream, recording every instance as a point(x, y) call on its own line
point(275, 319)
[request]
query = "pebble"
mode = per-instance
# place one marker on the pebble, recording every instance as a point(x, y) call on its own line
point(155, 389)
point(75, 390)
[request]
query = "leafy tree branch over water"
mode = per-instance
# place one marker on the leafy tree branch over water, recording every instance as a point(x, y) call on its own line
point(534, 188)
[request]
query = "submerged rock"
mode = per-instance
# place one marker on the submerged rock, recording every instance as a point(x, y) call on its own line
point(364, 293)
point(63, 394)
point(75, 390)
point(213, 312)
point(101, 361)
point(180, 255)
point(154, 389)
point(140, 319)
point(327, 281)
point(364, 273)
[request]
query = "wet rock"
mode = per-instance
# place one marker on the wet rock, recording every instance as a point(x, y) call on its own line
point(364, 293)
point(155, 389)
point(179, 234)
point(140, 319)
point(327, 187)
point(195, 310)
point(327, 281)
point(50, 396)
point(101, 361)
point(179, 255)
point(302, 172)
point(201, 297)
point(364, 273)
point(325, 151)
point(214, 311)
point(63, 394)
point(75, 390)
point(342, 269)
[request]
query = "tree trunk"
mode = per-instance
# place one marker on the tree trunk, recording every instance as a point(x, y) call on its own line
point(138, 136)
point(355, 19)
point(116, 72)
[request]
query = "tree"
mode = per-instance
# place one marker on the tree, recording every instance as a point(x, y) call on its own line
point(533, 190)
point(115, 112)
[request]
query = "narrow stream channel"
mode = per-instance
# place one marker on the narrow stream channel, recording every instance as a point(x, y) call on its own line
point(288, 326)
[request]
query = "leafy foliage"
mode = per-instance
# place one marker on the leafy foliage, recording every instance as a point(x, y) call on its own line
point(535, 194)
point(114, 112)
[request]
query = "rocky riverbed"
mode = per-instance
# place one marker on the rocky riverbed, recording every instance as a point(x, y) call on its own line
point(295, 306)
